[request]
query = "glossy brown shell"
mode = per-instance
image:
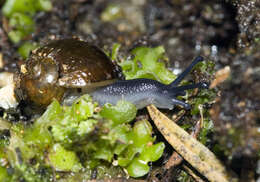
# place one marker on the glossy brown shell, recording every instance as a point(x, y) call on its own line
point(61, 65)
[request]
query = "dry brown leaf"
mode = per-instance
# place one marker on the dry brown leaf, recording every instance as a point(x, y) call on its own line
point(221, 76)
point(1, 61)
point(199, 156)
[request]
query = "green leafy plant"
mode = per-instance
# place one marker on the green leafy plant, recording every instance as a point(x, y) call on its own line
point(148, 63)
point(65, 133)
point(20, 15)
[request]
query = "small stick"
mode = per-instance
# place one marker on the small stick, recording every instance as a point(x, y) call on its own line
point(173, 161)
point(194, 176)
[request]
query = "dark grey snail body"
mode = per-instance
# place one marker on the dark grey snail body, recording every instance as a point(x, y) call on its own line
point(58, 69)
point(143, 92)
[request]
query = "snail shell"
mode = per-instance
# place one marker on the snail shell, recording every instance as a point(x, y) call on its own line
point(53, 69)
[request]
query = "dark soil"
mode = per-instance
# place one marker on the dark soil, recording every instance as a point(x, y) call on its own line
point(226, 32)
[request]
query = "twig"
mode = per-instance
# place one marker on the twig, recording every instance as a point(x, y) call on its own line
point(173, 161)
point(194, 176)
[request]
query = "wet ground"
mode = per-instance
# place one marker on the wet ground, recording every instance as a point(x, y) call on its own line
point(226, 32)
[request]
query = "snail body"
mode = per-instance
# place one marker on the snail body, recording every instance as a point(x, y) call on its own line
point(64, 65)
point(143, 92)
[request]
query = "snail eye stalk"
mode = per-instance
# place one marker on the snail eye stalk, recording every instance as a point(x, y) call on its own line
point(186, 71)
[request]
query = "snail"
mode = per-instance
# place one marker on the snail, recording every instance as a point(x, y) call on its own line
point(62, 68)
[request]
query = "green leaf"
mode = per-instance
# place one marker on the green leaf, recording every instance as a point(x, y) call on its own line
point(111, 12)
point(142, 132)
point(28, 7)
point(20, 14)
point(82, 108)
point(146, 64)
point(152, 153)
point(38, 138)
point(25, 49)
point(53, 111)
point(22, 25)
point(122, 112)
point(104, 151)
point(85, 127)
point(137, 168)
point(141, 150)
point(22, 6)
point(4, 176)
point(120, 134)
point(15, 36)
point(139, 138)
point(115, 50)
point(43, 5)
point(208, 127)
point(63, 160)
point(73, 122)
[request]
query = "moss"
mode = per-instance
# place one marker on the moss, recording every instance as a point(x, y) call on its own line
point(63, 160)
point(148, 63)
point(20, 15)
